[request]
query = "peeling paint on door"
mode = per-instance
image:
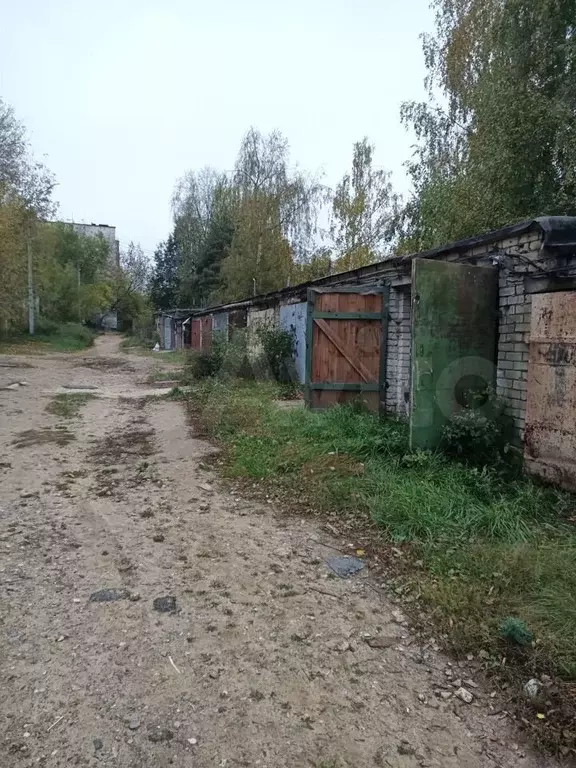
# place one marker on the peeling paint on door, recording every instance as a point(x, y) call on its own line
point(293, 320)
point(550, 435)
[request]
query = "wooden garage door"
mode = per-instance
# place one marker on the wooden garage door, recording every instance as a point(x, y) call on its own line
point(196, 333)
point(346, 346)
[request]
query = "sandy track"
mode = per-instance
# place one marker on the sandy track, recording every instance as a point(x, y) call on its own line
point(264, 662)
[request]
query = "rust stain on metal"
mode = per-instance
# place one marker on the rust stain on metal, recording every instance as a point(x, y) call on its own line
point(550, 436)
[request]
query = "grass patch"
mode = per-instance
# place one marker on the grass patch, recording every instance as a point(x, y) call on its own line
point(162, 376)
point(50, 337)
point(490, 546)
point(134, 345)
point(134, 342)
point(46, 435)
point(67, 406)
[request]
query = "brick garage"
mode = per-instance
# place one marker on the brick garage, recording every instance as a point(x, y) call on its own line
point(529, 257)
point(537, 256)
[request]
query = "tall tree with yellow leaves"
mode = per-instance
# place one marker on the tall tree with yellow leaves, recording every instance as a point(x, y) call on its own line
point(364, 210)
point(275, 217)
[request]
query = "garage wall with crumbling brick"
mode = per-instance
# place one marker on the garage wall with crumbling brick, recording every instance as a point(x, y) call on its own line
point(399, 352)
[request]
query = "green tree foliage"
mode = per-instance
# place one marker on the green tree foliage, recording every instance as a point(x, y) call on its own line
point(197, 203)
point(20, 173)
point(132, 306)
point(129, 285)
point(275, 217)
point(137, 267)
point(164, 284)
point(497, 137)
point(25, 194)
point(216, 248)
point(251, 231)
point(364, 211)
point(70, 272)
point(318, 264)
point(14, 222)
point(72, 275)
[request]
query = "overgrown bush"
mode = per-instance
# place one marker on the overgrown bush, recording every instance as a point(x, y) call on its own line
point(479, 434)
point(279, 347)
point(235, 358)
point(205, 363)
point(63, 336)
point(46, 327)
point(144, 332)
point(73, 336)
point(289, 390)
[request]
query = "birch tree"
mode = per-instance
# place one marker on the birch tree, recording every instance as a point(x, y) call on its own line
point(496, 139)
point(275, 216)
point(364, 211)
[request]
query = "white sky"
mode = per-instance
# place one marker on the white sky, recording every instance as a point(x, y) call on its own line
point(122, 97)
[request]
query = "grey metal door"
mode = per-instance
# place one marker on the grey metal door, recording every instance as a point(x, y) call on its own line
point(167, 333)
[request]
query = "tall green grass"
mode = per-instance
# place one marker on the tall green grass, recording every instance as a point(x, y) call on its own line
point(493, 545)
point(49, 336)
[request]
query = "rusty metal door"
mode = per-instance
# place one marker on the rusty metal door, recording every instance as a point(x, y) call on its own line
point(346, 346)
point(196, 333)
point(206, 332)
point(550, 436)
point(454, 325)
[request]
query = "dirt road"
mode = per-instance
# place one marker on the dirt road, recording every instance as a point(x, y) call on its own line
point(222, 638)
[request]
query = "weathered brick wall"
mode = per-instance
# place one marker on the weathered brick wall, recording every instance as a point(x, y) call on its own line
point(398, 362)
point(518, 256)
point(513, 340)
point(515, 258)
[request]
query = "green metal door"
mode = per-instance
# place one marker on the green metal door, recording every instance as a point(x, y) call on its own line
point(454, 327)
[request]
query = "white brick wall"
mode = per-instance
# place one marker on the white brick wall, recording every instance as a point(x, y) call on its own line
point(513, 331)
point(398, 364)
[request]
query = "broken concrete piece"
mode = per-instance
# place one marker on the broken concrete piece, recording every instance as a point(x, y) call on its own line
point(344, 566)
point(165, 604)
point(381, 641)
point(464, 695)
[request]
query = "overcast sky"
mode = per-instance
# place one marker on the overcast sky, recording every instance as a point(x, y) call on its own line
point(123, 96)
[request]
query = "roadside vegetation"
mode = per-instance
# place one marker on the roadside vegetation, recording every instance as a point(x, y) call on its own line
point(68, 405)
point(163, 376)
point(71, 277)
point(51, 337)
point(172, 357)
point(143, 335)
point(484, 556)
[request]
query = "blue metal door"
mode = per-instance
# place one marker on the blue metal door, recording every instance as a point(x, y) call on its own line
point(293, 316)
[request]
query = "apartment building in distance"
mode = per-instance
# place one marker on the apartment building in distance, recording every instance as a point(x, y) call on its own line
point(107, 232)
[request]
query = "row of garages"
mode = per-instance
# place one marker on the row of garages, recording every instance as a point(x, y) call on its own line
point(412, 335)
point(186, 329)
